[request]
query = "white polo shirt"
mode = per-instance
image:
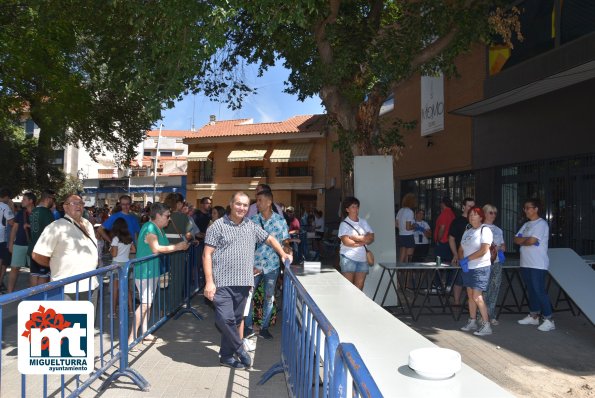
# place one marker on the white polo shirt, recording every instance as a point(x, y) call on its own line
point(70, 251)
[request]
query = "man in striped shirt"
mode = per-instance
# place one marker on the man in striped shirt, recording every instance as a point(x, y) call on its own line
point(228, 262)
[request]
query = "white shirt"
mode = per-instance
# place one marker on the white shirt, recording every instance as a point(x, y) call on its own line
point(319, 224)
point(405, 215)
point(420, 237)
point(360, 227)
point(123, 250)
point(472, 241)
point(70, 252)
point(6, 214)
point(535, 256)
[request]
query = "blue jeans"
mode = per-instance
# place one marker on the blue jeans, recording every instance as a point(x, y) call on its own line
point(539, 301)
point(270, 281)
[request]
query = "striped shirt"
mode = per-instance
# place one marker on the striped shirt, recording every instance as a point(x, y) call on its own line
point(234, 244)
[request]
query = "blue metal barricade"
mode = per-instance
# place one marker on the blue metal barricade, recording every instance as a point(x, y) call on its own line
point(311, 350)
point(168, 299)
point(352, 378)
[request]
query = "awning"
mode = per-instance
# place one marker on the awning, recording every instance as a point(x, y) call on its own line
point(551, 83)
point(244, 155)
point(201, 156)
point(291, 153)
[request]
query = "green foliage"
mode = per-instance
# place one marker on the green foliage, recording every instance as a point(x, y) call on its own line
point(71, 184)
point(18, 155)
point(100, 72)
point(354, 53)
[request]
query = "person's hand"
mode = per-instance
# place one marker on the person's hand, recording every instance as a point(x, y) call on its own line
point(536, 243)
point(209, 290)
point(183, 245)
point(287, 257)
point(455, 260)
point(519, 235)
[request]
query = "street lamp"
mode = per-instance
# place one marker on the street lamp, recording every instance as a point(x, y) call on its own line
point(155, 165)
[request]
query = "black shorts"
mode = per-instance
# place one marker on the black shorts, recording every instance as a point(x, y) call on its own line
point(38, 270)
point(5, 256)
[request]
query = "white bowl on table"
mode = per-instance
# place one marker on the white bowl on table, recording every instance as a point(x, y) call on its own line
point(435, 363)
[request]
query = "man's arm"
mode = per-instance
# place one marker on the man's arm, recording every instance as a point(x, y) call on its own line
point(207, 266)
point(103, 233)
point(453, 248)
point(274, 243)
point(525, 241)
point(13, 235)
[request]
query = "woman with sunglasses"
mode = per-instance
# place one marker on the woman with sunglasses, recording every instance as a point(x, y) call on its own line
point(497, 257)
point(151, 240)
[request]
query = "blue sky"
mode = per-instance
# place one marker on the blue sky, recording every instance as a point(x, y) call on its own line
point(269, 104)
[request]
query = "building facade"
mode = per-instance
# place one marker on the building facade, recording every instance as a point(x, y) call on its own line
point(295, 157)
point(517, 124)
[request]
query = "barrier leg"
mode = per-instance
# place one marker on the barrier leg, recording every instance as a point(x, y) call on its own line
point(275, 369)
point(125, 370)
point(187, 307)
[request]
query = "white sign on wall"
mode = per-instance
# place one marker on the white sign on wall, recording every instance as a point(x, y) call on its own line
point(432, 104)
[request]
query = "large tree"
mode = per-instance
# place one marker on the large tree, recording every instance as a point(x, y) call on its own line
point(100, 72)
point(354, 53)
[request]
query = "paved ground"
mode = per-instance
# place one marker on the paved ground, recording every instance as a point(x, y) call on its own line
point(185, 365)
point(525, 361)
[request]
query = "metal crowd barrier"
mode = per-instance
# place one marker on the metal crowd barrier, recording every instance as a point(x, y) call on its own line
point(314, 361)
point(173, 300)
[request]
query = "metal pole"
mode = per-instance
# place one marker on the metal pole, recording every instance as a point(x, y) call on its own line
point(155, 165)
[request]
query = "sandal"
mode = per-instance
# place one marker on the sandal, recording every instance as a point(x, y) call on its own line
point(153, 340)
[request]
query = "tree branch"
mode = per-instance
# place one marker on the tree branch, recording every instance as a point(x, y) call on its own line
point(433, 49)
point(324, 47)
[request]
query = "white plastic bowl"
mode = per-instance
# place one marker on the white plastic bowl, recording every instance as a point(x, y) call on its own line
point(435, 363)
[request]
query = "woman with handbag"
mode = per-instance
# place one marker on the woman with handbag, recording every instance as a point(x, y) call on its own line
point(151, 240)
point(355, 234)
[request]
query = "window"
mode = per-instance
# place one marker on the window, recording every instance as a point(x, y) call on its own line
point(30, 127)
point(147, 153)
point(203, 174)
point(59, 157)
point(166, 153)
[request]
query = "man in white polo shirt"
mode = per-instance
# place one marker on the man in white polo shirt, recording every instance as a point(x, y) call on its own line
point(68, 247)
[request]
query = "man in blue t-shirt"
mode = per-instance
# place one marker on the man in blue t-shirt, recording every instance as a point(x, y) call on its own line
point(131, 220)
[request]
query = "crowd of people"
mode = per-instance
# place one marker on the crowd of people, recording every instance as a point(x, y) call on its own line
point(241, 248)
point(474, 243)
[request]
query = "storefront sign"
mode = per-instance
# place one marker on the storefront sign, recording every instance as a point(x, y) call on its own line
point(432, 104)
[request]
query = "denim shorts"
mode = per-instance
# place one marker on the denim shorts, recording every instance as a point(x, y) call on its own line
point(407, 241)
point(477, 278)
point(349, 265)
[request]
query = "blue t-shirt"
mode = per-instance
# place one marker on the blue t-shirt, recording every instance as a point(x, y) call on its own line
point(131, 221)
point(21, 218)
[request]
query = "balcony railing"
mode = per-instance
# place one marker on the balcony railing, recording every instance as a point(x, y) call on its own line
point(303, 171)
point(250, 172)
point(199, 177)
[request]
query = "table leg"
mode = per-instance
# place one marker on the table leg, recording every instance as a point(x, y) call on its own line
point(379, 282)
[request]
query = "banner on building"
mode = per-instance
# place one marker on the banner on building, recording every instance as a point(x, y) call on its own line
point(432, 104)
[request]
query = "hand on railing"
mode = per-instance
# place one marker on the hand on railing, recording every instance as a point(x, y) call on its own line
point(183, 245)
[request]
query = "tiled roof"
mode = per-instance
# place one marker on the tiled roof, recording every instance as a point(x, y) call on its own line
point(296, 124)
point(172, 133)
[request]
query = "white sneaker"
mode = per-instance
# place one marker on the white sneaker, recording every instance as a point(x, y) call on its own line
point(249, 345)
point(547, 325)
point(529, 320)
point(471, 325)
point(494, 322)
point(486, 329)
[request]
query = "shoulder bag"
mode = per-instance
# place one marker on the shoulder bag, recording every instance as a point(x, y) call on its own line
point(369, 255)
